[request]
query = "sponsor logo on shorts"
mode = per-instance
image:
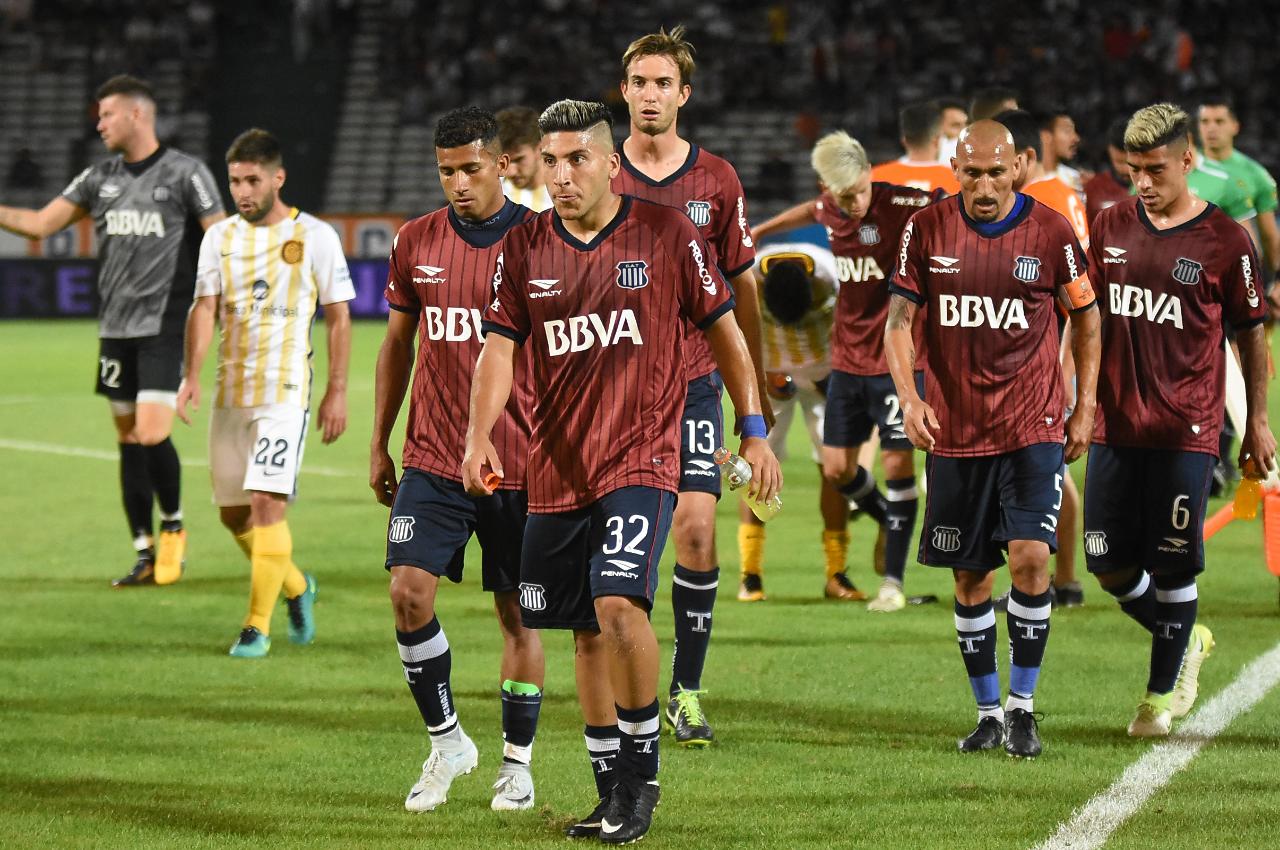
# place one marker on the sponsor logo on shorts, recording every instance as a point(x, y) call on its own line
point(533, 597)
point(401, 529)
point(703, 468)
point(624, 569)
point(1095, 543)
point(946, 538)
point(1173, 546)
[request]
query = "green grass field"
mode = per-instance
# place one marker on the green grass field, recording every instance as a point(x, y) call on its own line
point(124, 724)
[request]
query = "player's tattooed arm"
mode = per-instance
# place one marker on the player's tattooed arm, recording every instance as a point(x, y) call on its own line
point(38, 224)
point(1258, 445)
point(1086, 352)
point(918, 418)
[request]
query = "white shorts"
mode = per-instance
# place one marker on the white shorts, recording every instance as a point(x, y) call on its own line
point(812, 402)
point(255, 448)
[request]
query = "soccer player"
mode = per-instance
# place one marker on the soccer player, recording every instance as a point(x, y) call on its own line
point(1173, 268)
point(989, 101)
point(518, 134)
point(598, 293)
point(1059, 143)
point(1110, 185)
point(1218, 130)
point(658, 165)
point(440, 281)
point(262, 274)
point(987, 267)
point(149, 204)
point(799, 282)
point(920, 126)
point(864, 220)
point(954, 120)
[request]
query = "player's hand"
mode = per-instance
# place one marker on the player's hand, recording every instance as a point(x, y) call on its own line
point(1257, 449)
point(1079, 433)
point(918, 421)
point(766, 473)
point(332, 421)
point(382, 476)
point(188, 393)
point(480, 464)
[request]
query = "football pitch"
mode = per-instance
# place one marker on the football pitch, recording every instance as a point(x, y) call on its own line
point(123, 723)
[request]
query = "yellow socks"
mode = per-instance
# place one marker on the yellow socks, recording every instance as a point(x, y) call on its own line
point(751, 549)
point(272, 552)
point(295, 583)
point(835, 546)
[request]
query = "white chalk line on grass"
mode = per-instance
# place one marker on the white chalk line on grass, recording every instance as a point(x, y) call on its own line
point(1091, 825)
point(98, 454)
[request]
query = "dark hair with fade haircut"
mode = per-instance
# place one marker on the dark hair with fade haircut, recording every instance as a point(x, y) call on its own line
point(127, 85)
point(256, 146)
point(950, 102)
point(574, 116)
point(464, 125)
point(517, 128)
point(920, 123)
point(662, 43)
point(1115, 133)
point(988, 101)
point(1155, 126)
point(1050, 115)
point(1024, 128)
point(788, 292)
point(1219, 98)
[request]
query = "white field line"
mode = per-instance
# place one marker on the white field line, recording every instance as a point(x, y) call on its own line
point(98, 454)
point(1091, 825)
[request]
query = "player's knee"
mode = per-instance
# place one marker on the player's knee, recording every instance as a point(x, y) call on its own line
point(972, 586)
point(507, 608)
point(150, 434)
point(1117, 578)
point(412, 599)
point(897, 464)
point(1029, 565)
point(695, 539)
point(835, 467)
point(615, 615)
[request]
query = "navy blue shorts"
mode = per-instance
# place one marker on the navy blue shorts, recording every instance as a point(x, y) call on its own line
point(609, 548)
point(433, 518)
point(976, 505)
point(701, 433)
point(858, 403)
point(1145, 508)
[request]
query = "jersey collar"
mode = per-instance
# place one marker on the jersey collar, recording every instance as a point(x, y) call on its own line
point(665, 181)
point(1021, 209)
point(485, 234)
point(137, 169)
point(1209, 207)
point(574, 242)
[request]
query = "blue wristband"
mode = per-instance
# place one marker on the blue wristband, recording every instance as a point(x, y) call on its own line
point(753, 426)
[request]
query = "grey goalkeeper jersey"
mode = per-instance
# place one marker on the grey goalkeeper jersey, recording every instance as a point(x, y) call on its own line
point(147, 219)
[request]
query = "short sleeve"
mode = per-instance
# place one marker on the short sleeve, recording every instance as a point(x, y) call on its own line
point(82, 189)
point(333, 277)
point(735, 249)
point(201, 195)
point(508, 313)
point(1242, 301)
point(908, 278)
point(703, 293)
point(400, 293)
point(209, 263)
point(1264, 193)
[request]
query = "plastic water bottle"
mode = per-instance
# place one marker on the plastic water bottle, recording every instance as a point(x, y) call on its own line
point(737, 474)
point(1248, 496)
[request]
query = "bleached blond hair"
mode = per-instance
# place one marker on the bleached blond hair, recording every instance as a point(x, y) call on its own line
point(1156, 125)
point(840, 160)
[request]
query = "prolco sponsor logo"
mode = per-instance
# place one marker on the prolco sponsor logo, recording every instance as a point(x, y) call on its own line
point(1246, 270)
point(708, 282)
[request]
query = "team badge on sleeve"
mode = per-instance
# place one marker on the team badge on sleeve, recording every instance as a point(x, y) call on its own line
point(633, 274)
point(291, 252)
point(699, 212)
point(1026, 269)
point(1187, 271)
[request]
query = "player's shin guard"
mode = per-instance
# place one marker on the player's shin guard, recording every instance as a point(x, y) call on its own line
point(427, 666)
point(693, 596)
point(136, 490)
point(295, 583)
point(166, 479)
point(862, 489)
point(1177, 599)
point(520, 705)
point(751, 548)
point(1028, 622)
point(603, 744)
point(835, 551)
point(638, 737)
point(976, 633)
point(1137, 598)
point(902, 502)
point(272, 555)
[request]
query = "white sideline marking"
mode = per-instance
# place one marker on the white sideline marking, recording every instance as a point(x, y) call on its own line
point(1092, 824)
point(98, 454)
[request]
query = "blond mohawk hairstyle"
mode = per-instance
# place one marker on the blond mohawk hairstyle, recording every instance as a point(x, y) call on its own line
point(840, 160)
point(1156, 125)
point(662, 43)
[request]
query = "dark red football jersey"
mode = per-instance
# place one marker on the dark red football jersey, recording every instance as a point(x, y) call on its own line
point(443, 272)
point(993, 375)
point(865, 251)
point(603, 323)
point(707, 189)
point(1164, 296)
point(1101, 191)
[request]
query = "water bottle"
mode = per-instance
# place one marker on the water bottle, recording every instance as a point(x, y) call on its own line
point(737, 474)
point(1248, 494)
